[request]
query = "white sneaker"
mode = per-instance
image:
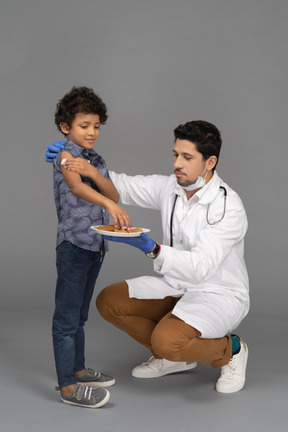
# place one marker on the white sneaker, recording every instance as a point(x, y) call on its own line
point(232, 378)
point(155, 368)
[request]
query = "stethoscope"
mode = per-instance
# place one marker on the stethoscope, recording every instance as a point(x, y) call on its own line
point(207, 214)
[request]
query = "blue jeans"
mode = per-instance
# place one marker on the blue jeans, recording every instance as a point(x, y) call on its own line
point(77, 273)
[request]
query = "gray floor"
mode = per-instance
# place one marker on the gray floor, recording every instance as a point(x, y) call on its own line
point(179, 402)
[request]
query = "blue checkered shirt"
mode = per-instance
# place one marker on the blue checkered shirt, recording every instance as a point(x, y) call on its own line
point(75, 215)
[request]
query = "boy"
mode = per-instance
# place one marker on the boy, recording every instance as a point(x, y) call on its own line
point(80, 202)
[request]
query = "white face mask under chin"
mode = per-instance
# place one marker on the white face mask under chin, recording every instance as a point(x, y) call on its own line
point(200, 182)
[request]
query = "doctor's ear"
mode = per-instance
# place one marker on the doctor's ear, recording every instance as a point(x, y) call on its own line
point(64, 128)
point(211, 162)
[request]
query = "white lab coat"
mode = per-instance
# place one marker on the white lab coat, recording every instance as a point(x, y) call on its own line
point(206, 265)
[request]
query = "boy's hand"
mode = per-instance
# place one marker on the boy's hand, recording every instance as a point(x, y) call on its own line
point(79, 166)
point(53, 149)
point(120, 217)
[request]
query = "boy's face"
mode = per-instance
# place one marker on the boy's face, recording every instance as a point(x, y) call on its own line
point(84, 130)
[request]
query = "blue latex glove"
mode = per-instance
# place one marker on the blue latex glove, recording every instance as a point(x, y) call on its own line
point(143, 242)
point(53, 149)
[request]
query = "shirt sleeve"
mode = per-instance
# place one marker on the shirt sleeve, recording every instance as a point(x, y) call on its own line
point(139, 190)
point(213, 245)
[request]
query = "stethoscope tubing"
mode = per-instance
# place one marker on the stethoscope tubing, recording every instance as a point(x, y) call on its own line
point(207, 214)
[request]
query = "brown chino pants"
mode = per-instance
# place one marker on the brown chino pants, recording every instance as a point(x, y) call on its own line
point(152, 324)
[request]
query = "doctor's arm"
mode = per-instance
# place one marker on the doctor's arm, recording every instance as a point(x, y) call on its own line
point(140, 190)
point(213, 245)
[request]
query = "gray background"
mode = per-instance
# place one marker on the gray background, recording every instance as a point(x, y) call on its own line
point(156, 63)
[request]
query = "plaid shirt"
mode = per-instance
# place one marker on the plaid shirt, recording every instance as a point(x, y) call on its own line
point(75, 215)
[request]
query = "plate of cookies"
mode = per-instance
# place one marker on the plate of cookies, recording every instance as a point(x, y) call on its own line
point(111, 230)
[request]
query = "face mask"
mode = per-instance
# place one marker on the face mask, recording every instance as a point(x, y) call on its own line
point(200, 182)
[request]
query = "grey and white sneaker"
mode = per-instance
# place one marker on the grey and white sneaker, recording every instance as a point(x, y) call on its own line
point(87, 397)
point(95, 379)
point(155, 368)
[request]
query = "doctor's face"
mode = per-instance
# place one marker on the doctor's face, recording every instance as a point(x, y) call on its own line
point(188, 162)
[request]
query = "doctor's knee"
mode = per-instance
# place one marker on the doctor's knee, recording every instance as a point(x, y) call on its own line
point(165, 346)
point(109, 300)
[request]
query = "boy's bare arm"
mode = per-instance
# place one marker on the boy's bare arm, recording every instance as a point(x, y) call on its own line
point(81, 190)
point(84, 168)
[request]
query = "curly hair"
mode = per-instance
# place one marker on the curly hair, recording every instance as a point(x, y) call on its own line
point(204, 135)
point(79, 100)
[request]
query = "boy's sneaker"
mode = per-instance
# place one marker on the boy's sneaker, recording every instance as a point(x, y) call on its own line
point(95, 379)
point(232, 378)
point(155, 368)
point(87, 397)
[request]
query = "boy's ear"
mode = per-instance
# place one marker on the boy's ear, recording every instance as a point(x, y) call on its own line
point(64, 128)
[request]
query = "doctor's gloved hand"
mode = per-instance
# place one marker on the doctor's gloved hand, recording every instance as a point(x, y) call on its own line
point(53, 149)
point(143, 242)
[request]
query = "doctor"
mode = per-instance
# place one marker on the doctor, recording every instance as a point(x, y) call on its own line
point(186, 316)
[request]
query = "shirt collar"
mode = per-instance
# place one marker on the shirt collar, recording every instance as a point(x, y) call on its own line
point(81, 150)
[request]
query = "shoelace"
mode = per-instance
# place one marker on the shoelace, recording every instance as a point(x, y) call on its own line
point(150, 360)
point(153, 360)
point(229, 368)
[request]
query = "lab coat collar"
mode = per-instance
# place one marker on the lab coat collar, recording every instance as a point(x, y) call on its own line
point(206, 194)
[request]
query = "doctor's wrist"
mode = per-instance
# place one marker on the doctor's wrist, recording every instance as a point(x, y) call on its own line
point(153, 253)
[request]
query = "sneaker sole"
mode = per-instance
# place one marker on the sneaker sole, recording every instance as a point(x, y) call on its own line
point(98, 405)
point(96, 384)
point(140, 374)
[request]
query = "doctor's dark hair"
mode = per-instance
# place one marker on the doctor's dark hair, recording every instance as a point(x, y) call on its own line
point(204, 135)
point(79, 100)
